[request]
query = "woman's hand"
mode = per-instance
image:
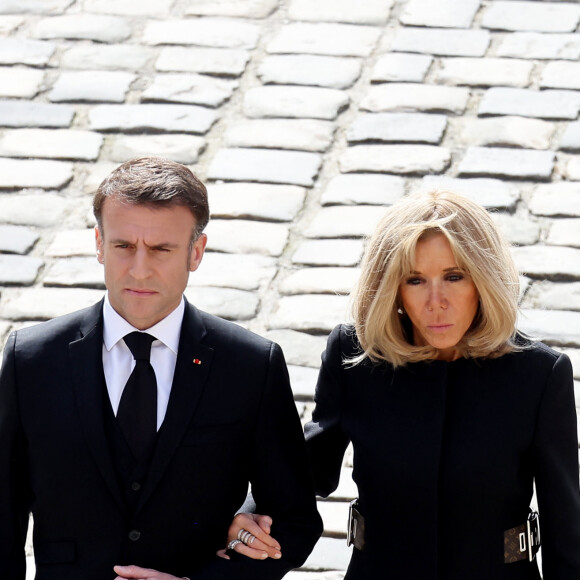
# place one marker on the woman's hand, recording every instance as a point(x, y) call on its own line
point(262, 547)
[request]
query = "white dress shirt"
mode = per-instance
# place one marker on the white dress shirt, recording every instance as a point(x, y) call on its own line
point(118, 362)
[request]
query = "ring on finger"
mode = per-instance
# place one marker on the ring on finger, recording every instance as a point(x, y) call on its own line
point(233, 544)
point(241, 533)
point(251, 539)
point(246, 536)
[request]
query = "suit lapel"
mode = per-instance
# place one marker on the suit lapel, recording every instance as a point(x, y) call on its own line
point(86, 362)
point(191, 374)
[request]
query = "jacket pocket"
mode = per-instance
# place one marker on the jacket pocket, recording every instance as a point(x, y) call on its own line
point(54, 552)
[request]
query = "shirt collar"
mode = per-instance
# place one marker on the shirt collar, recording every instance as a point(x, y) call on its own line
point(167, 330)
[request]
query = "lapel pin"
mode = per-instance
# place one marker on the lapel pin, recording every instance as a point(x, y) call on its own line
point(196, 361)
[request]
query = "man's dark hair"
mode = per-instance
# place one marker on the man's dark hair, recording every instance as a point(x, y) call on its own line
point(155, 182)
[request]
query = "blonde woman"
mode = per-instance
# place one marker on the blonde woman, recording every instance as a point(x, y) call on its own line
point(453, 415)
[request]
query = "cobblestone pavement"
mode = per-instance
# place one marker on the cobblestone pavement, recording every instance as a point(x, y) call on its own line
point(306, 118)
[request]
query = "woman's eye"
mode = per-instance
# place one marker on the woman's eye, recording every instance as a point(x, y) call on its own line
point(455, 277)
point(413, 281)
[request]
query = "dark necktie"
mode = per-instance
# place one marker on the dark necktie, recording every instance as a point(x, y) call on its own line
point(137, 413)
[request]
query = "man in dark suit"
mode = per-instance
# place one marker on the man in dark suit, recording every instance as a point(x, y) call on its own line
point(139, 455)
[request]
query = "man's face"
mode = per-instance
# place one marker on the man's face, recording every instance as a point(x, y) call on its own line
point(145, 251)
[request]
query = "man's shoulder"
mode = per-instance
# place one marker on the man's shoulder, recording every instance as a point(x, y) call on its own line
point(66, 326)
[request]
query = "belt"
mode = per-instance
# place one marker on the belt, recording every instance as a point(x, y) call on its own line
point(522, 542)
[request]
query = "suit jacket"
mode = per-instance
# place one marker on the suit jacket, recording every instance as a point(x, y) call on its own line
point(445, 456)
point(231, 421)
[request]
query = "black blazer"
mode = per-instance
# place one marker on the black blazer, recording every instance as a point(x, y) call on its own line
point(445, 455)
point(231, 421)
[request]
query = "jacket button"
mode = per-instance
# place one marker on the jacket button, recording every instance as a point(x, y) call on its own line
point(134, 535)
point(135, 486)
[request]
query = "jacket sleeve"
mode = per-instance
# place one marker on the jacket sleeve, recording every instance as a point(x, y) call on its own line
point(556, 474)
point(14, 483)
point(325, 439)
point(281, 484)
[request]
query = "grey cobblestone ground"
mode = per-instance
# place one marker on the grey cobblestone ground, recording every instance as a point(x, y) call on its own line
point(305, 119)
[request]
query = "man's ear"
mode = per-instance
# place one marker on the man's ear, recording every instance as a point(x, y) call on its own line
point(99, 244)
point(197, 252)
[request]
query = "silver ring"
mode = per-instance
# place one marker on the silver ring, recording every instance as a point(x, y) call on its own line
point(251, 540)
point(233, 544)
point(241, 532)
point(245, 536)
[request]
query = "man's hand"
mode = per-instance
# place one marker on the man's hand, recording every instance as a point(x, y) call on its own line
point(264, 546)
point(139, 573)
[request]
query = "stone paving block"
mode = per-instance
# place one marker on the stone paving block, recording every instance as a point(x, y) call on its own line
point(517, 230)
point(531, 16)
point(401, 67)
point(8, 24)
point(404, 159)
point(535, 45)
point(329, 554)
point(218, 61)
point(5, 327)
point(20, 82)
point(17, 239)
point(444, 13)
point(571, 169)
point(574, 355)
point(397, 127)
point(96, 173)
point(19, 270)
point(554, 263)
point(270, 166)
point(564, 232)
point(75, 273)
point(320, 281)
point(320, 71)
point(297, 134)
point(550, 104)
point(226, 303)
point(490, 193)
point(507, 131)
point(45, 303)
point(84, 27)
point(326, 39)
point(20, 173)
point(556, 199)
point(344, 222)
point(553, 296)
point(34, 6)
point(570, 140)
point(242, 271)
point(561, 75)
point(555, 327)
point(371, 189)
point(488, 71)
point(300, 349)
point(149, 8)
point(309, 313)
point(234, 8)
point(51, 143)
point(68, 243)
point(246, 237)
point(440, 41)
point(28, 114)
point(168, 118)
point(107, 86)
point(22, 51)
point(42, 210)
point(190, 88)
point(415, 97)
point(210, 32)
point(310, 575)
point(302, 379)
point(504, 162)
point(106, 57)
point(181, 148)
point(335, 517)
point(291, 101)
point(255, 200)
point(329, 253)
point(368, 12)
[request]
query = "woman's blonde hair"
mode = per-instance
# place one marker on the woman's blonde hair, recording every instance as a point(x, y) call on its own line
point(383, 331)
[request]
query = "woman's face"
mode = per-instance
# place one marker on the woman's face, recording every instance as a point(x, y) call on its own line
point(440, 299)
